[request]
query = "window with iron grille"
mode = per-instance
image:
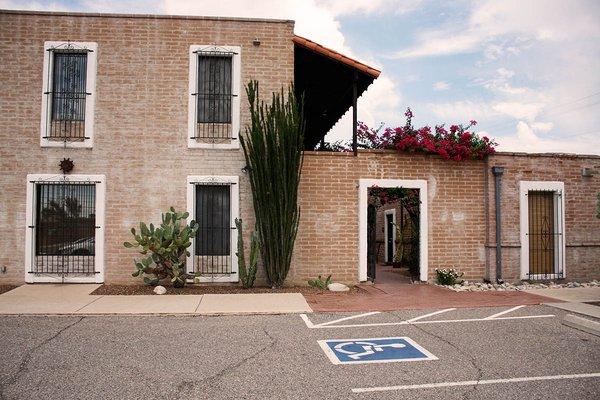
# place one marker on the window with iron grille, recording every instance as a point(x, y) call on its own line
point(67, 107)
point(213, 204)
point(214, 100)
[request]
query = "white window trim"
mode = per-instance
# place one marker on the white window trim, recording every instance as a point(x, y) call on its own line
point(363, 199)
point(385, 233)
point(90, 100)
point(98, 277)
point(524, 188)
point(235, 101)
point(234, 209)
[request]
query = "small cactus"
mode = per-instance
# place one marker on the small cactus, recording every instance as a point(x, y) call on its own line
point(247, 276)
point(165, 248)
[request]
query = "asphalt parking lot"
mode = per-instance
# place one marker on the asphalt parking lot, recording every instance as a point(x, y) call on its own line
point(485, 353)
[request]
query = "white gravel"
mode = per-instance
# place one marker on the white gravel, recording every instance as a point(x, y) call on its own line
point(467, 286)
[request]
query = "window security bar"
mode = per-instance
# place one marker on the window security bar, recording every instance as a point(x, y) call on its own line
point(64, 228)
point(214, 96)
point(67, 94)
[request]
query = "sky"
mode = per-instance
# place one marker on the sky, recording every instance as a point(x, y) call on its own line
point(527, 71)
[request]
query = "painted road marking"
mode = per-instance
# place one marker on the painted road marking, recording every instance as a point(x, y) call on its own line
point(374, 350)
point(504, 312)
point(476, 383)
point(350, 317)
point(419, 319)
point(430, 314)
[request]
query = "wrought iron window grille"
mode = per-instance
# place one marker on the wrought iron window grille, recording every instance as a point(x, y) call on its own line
point(67, 93)
point(64, 228)
point(213, 97)
point(212, 245)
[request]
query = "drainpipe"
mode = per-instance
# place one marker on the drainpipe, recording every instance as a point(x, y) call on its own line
point(498, 171)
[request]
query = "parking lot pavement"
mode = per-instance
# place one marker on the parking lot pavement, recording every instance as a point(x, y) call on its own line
point(520, 352)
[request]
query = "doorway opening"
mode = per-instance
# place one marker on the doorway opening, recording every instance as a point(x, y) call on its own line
point(393, 230)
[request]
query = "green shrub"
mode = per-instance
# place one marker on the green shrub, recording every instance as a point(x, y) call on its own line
point(447, 276)
point(247, 276)
point(320, 283)
point(165, 248)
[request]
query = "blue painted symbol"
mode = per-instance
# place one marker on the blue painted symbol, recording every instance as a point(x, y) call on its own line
point(374, 350)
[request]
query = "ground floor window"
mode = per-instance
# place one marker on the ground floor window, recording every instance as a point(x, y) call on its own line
point(64, 228)
point(542, 230)
point(213, 203)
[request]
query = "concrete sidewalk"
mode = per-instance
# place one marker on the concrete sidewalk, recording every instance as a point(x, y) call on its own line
point(573, 299)
point(75, 299)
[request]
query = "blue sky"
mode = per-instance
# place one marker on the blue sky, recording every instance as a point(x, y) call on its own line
point(527, 71)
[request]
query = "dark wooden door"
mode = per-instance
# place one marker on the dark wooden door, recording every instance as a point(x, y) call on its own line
point(541, 232)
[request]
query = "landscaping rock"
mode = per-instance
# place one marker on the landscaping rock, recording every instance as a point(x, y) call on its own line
point(160, 290)
point(467, 286)
point(337, 287)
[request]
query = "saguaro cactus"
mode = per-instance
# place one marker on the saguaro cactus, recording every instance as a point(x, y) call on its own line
point(247, 275)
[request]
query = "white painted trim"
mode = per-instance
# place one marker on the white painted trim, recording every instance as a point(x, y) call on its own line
point(90, 100)
point(476, 383)
point(234, 213)
point(235, 101)
point(32, 179)
point(427, 356)
point(363, 187)
point(385, 233)
point(524, 188)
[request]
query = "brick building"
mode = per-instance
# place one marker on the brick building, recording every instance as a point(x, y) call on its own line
point(149, 109)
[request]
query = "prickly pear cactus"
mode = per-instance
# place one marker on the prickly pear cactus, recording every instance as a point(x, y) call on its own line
point(164, 248)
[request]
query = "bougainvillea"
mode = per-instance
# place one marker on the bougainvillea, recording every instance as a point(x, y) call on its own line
point(456, 143)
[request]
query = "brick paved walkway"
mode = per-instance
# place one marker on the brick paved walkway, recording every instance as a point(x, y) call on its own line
point(394, 296)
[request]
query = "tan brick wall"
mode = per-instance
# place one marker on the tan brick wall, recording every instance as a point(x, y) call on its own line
point(141, 115)
point(328, 236)
point(582, 228)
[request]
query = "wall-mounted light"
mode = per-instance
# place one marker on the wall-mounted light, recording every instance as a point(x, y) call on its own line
point(588, 172)
point(256, 41)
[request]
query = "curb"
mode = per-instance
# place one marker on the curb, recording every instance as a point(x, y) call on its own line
point(582, 324)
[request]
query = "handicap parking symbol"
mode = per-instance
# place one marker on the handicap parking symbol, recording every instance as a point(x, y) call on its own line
point(374, 350)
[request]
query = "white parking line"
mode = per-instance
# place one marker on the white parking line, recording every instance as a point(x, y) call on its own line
point(350, 317)
point(418, 320)
point(430, 314)
point(504, 312)
point(475, 383)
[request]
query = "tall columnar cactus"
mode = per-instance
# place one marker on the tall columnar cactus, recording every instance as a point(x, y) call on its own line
point(165, 248)
point(273, 150)
point(247, 275)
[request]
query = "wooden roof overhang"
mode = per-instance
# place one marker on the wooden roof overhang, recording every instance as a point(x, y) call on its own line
point(330, 83)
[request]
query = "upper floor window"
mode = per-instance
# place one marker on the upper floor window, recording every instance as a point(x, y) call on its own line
point(69, 94)
point(214, 104)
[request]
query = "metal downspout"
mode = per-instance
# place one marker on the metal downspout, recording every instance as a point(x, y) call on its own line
point(498, 171)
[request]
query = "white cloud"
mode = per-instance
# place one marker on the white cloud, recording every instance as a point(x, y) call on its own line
point(526, 139)
point(458, 111)
point(548, 20)
point(441, 85)
point(519, 110)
